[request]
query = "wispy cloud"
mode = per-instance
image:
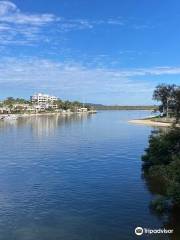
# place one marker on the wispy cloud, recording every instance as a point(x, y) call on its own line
point(10, 13)
point(21, 28)
point(67, 25)
point(155, 71)
point(76, 80)
point(24, 28)
point(59, 75)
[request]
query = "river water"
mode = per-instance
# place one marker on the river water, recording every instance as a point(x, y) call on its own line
point(74, 178)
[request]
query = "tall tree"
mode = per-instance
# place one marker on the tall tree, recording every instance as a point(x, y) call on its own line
point(177, 104)
point(165, 94)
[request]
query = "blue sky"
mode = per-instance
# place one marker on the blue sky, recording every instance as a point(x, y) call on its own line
point(110, 52)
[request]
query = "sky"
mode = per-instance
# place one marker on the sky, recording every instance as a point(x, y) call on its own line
point(96, 51)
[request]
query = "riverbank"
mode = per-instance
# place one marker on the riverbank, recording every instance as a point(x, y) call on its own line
point(154, 121)
point(150, 122)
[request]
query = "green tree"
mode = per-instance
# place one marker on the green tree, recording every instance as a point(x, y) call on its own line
point(9, 101)
point(165, 94)
point(162, 160)
point(177, 104)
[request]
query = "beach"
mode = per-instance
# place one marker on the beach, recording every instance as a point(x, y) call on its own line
point(150, 122)
point(153, 122)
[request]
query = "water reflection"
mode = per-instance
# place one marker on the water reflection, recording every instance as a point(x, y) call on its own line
point(44, 125)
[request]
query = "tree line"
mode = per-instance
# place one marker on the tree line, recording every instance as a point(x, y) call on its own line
point(72, 105)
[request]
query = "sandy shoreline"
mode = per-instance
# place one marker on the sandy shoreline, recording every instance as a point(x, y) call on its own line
point(150, 122)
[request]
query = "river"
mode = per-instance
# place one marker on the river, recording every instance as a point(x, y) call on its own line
point(74, 178)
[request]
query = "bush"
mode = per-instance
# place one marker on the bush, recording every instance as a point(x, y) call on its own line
point(162, 160)
point(159, 204)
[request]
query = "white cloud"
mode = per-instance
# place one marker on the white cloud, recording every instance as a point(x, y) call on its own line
point(75, 80)
point(7, 7)
point(17, 27)
point(39, 70)
point(151, 71)
point(24, 28)
point(115, 22)
point(10, 13)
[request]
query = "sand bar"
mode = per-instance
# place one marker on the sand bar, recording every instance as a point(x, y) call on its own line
point(150, 122)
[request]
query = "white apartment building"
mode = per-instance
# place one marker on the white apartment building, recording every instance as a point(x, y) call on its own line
point(43, 98)
point(44, 101)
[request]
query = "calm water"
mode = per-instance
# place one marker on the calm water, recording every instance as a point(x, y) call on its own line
point(74, 178)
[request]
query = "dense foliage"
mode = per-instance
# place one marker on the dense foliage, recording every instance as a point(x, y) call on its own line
point(71, 105)
point(162, 160)
point(10, 101)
